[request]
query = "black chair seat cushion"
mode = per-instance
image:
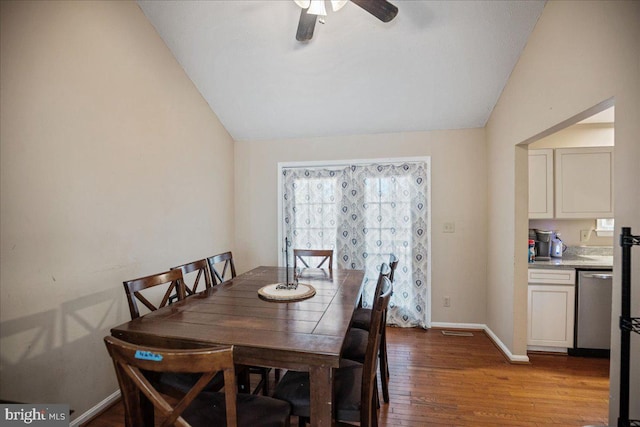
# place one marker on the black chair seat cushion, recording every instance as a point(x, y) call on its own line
point(294, 388)
point(361, 318)
point(208, 409)
point(355, 345)
point(184, 382)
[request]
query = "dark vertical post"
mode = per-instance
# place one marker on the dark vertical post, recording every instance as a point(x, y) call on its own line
point(286, 259)
point(625, 332)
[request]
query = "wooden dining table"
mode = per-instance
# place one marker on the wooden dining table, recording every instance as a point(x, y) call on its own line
point(304, 335)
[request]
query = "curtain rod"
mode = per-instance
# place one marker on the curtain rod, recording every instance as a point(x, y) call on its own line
point(337, 163)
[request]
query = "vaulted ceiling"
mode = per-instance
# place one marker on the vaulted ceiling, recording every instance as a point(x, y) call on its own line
point(437, 65)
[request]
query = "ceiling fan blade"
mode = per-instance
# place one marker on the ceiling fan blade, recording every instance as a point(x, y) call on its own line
point(305, 26)
point(381, 9)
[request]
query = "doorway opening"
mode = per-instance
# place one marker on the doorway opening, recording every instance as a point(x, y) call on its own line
point(568, 171)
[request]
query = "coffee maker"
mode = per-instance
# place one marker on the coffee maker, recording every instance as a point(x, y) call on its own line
point(543, 244)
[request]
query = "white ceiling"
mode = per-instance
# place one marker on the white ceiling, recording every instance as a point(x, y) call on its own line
point(437, 65)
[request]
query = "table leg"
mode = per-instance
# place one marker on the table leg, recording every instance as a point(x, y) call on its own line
point(147, 411)
point(140, 412)
point(244, 379)
point(321, 396)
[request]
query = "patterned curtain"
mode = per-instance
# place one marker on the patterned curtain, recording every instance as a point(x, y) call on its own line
point(311, 200)
point(365, 212)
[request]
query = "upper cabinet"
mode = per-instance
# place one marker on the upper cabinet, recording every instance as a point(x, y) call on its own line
point(584, 182)
point(541, 183)
point(571, 183)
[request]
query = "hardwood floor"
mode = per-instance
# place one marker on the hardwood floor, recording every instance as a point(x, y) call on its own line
point(439, 380)
point(466, 381)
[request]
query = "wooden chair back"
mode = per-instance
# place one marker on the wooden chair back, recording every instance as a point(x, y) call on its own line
point(385, 271)
point(133, 289)
point(368, 402)
point(220, 265)
point(324, 255)
point(130, 361)
point(201, 268)
point(382, 355)
point(393, 264)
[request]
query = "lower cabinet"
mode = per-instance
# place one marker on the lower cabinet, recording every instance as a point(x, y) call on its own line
point(551, 310)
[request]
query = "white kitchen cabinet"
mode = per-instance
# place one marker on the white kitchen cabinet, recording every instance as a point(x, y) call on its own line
point(557, 276)
point(541, 183)
point(551, 308)
point(584, 182)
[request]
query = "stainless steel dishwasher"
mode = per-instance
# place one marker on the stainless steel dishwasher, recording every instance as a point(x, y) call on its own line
point(592, 336)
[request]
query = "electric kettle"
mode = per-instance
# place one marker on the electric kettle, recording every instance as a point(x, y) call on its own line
point(557, 247)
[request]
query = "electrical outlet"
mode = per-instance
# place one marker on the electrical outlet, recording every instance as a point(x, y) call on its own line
point(584, 235)
point(447, 301)
point(449, 227)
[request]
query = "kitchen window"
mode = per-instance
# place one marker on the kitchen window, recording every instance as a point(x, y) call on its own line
point(604, 227)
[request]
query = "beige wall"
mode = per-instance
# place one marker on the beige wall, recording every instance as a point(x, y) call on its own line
point(579, 55)
point(458, 195)
point(108, 155)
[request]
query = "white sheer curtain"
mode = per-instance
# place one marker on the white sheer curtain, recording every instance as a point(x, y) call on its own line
point(365, 212)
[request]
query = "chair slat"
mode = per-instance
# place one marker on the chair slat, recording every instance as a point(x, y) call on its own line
point(219, 273)
point(325, 255)
point(202, 268)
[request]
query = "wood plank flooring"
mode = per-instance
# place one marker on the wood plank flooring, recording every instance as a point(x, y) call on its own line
point(439, 380)
point(466, 381)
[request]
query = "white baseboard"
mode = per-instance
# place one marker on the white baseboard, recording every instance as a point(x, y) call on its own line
point(444, 325)
point(562, 350)
point(514, 358)
point(104, 404)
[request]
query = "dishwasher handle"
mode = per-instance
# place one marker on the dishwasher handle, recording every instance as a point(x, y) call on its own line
point(604, 276)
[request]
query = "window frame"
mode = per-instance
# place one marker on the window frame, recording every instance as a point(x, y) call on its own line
point(317, 164)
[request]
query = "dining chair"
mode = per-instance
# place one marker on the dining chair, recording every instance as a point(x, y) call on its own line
point(195, 408)
point(201, 270)
point(133, 288)
point(355, 384)
point(171, 383)
point(356, 340)
point(221, 267)
point(321, 255)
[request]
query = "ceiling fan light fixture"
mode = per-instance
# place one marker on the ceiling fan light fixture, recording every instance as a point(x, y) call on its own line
point(314, 11)
point(336, 5)
point(317, 8)
point(303, 3)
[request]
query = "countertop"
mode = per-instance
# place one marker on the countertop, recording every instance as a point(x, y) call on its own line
point(576, 261)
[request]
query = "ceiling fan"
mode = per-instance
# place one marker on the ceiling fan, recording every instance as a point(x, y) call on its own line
point(311, 9)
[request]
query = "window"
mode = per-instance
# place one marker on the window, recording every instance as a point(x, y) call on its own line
point(388, 214)
point(314, 213)
point(604, 227)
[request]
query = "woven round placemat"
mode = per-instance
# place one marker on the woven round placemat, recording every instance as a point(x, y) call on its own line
point(271, 293)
